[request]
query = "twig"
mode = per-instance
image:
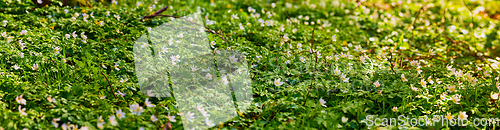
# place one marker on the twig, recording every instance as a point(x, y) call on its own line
point(390, 61)
point(314, 70)
point(109, 84)
point(415, 21)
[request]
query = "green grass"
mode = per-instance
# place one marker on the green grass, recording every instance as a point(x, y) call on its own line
point(388, 35)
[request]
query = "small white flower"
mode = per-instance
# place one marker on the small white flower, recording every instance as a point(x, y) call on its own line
point(377, 84)
point(22, 111)
point(209, 122)
point(413, 88)
point(24, 32)
point(344, 78)
point(494, 96)
point(462, 115)
point(136, 109)
point(278, 82)
point(112, 120)
point(54, 122)
point(302, 59)
point(394, 109)
point(20, 100)
point(456, 99)
point(190, 116)
point(123, 80)
point(337, 71)
point(334, 38)
point(34, 67)
point(100, 123)
point(16, 67)
point(233, 59)
point(148, 103)
point(208, 76)
point(403, 78)
point(171, 118)
point(322, 102)
point(120, 114)
point(153, 118)
point(344, 119)
point(193, 68)
point(116, 67)
point(4, 23)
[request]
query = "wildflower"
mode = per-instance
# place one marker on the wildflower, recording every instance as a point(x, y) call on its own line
point(329, 57)
point(423, 83)
point(285, 37)
point(193, 68)
point(208, 76)
point(120, 114)
point(224, 80)
point(494, 96)
point(358, 48)
point(67, 36)
point(294, 30)
point(458, 73)
point(4, 34)
point(4, 23)
point(100, 122)
point(123, 80)
point(20, 100)
point(414, 63)
point(22, 55)
point(449, 116)
point(117, 17)
point(462, 115)
point(116, 67)
point(278, 82)
point(419, 70)
point(322, 102)
point(431, 51)
point(136, 109)
point(54, 122)
point(287, 62)
point(56, 50)
point(171, 118)
point(258, 57)
point(302, 59)
point(21, 44)
point(120, 93)
point(16, 67)
point(212, 44)
point(34, 67)
point(377, 84)
point(190, 116)
point(148, 103)
point(153, 118)
point(102, 97)
point(362, 59)
point(337, 71)
point(443, 96)
point(234, 16)
point(9, 39)
point(413, 88)
point(430, 80)
point(209, 122)
point(112, 120)
point(103, 66)
point(343, 77)
point(456, 99)
point(101, 23)
point(344, 119)
point(23, 32)
point(334, 38)
point(50, 99)
point(22, 110)
point(138, 4)
point(233, 59)
point(394, 109)
point(299, 46)
point(74, 34)
point(180, 35)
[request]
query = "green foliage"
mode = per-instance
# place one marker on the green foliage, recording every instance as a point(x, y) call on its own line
point(438, 46)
